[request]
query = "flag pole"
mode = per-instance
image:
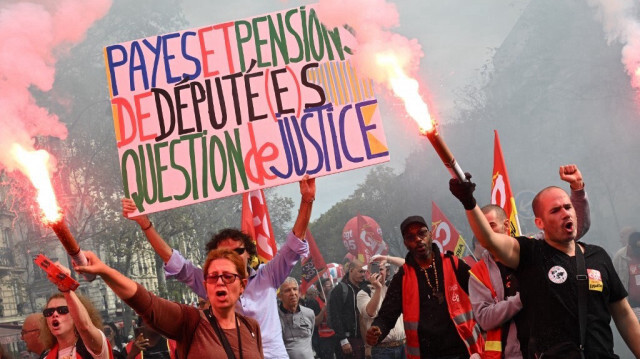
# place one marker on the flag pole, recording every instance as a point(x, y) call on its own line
point(466, 248)
point(321, 286)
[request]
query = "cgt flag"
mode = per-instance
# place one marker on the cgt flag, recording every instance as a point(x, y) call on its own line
point(313, 265)
point(257, 224)
point(501, 194)
point(445, 234)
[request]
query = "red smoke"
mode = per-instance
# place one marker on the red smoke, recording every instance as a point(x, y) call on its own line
point(34, 36)
point(620, 23)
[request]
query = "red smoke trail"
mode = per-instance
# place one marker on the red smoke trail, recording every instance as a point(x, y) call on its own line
point(382, 55)
point(34, 36)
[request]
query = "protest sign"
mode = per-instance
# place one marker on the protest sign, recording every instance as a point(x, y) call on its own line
point(224, 109)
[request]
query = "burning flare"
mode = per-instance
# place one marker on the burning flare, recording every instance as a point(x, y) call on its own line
point(35, 164)
point(406, 88)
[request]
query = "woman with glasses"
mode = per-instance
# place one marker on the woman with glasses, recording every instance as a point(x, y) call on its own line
point(215, 333)
point(76, 327)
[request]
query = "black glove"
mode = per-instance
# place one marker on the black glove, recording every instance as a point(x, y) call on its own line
point(463, 190)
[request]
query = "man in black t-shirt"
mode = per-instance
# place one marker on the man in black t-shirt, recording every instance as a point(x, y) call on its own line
point(548, 284)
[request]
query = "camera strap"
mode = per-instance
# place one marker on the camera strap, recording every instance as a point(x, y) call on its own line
point(223, 337)
point(583, 292)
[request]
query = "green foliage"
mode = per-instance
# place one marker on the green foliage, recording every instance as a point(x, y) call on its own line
point(377, 197)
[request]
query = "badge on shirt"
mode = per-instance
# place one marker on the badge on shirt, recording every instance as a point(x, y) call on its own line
point(557, 274)
point(595, 280)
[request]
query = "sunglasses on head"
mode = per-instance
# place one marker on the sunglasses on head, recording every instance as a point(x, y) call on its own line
point(240, 250)
point(63, 309)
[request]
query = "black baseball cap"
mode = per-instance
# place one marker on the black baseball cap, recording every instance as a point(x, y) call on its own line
point(411, 220)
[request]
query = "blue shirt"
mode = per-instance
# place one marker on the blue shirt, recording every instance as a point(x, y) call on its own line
point(259, 300)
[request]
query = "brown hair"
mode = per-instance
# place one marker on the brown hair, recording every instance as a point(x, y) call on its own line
point(46, 338)
point(229, 255)
point(94, 315)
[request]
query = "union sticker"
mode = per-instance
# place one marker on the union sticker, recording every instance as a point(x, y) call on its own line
point(595, 280)
point(557, 274)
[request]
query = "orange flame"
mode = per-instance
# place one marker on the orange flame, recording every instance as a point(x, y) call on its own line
point(34, 165)
point(406, 88)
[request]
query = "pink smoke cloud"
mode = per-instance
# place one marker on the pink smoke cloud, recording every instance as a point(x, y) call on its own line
point(619, 22)
point(372, 21)
point(34, 36)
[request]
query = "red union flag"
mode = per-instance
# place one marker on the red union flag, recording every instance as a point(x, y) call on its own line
point(501, 194)
point(445, 234)
point(312, 265)
point(257, 224)
point(362, 237)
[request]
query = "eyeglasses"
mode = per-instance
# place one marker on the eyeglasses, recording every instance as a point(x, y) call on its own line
point(63, 309)
point(240, 250)
point(422, 234)
point(25, 332)
point(227, 278)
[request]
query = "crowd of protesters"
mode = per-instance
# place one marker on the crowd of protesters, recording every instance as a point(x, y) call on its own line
point(546, 295)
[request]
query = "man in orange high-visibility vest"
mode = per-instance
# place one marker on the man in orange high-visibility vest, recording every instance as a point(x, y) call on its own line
point(429, 291)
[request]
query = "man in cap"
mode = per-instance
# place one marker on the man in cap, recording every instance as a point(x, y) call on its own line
point(430, 291)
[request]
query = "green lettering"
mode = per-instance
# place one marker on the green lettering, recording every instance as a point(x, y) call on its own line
point(242, 39)
point(205, 171)
point(175, 165)
point(137, 198)
point(258, 41)
point(214, 143)
point(305, 32)
point(234, 151)
point(316, 50)
point(294, 33)
point(160, 169)
point(337, 43)
point(152, 172)
point(277, 38)
point(192, 150)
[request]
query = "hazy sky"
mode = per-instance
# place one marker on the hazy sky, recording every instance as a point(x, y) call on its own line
point(457, 38)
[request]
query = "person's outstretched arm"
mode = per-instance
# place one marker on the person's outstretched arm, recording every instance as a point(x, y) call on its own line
point(572, 175)
point(308, 195)
point(503, 247)
point(396, 261)
point(159, 245)
point(279, 268)
point(165, 316)
point(175, 265)
point(90, 334)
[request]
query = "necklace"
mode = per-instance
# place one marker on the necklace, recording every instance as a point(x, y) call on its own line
point(71, 354)
point(434, 290)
